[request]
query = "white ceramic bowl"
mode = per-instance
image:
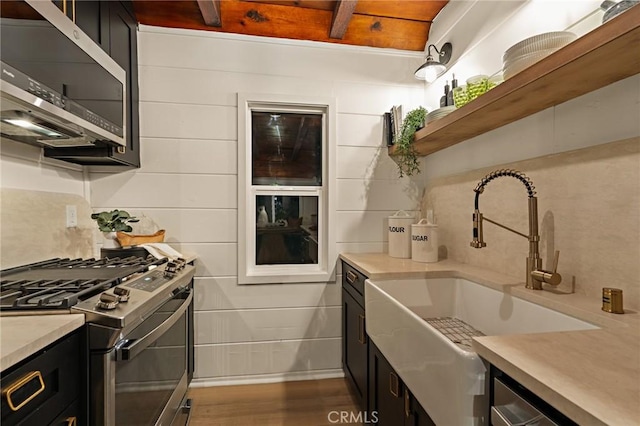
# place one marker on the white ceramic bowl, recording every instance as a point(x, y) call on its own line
point(556, 39)
point(439, 113)
point(528, 57)
point(522, 64)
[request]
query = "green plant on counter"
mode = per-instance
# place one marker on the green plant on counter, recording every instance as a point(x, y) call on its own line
point(115, 220)
point(405, 154)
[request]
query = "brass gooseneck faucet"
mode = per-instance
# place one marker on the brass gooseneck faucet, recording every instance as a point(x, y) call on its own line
point(535, 274)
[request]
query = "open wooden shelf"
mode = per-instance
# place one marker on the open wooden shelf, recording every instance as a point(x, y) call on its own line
point(607, 54)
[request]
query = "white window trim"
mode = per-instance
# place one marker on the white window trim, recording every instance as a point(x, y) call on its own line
point(324, 271)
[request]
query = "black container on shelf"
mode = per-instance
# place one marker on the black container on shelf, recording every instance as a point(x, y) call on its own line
point(454, 84)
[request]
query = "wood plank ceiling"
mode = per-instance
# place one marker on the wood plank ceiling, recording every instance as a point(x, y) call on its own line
point(399, 24)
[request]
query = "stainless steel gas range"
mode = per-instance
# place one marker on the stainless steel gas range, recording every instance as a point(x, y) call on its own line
point(139, 316)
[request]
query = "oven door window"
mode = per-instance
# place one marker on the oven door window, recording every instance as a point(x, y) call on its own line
point(145, 383)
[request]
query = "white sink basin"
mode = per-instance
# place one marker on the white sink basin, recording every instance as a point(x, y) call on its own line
point(448, 379)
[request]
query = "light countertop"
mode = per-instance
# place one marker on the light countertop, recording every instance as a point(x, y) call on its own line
point(592, 376)
point(22, 336)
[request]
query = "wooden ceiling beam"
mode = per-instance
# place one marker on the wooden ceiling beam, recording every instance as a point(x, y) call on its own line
point(309, 4)
point(412, 10)
point(341, 16)
point(270, 20)
point(210, 10)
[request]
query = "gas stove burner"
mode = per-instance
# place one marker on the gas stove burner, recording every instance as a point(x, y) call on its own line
point(62, 283)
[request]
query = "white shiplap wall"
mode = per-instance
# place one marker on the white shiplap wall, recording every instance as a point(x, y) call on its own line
point(187, 184)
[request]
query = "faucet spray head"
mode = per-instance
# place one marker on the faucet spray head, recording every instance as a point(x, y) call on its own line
point(478, 241)
point(479, 189)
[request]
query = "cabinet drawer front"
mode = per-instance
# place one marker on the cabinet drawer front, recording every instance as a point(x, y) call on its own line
point(353, 278)
point(60, 367)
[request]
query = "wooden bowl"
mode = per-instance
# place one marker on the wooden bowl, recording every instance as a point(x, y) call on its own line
point(127, 240)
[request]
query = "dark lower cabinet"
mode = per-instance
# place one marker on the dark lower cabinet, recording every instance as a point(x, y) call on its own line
point(354, 336)
point(390, 401)
point(354, 353)
point(48, 388)
point(420, 416)
point(386, 397)
point(67, 417)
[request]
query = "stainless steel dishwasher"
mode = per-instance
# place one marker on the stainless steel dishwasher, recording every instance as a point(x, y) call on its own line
point(514, 405)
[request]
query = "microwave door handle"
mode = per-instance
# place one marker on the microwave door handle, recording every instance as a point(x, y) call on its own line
point(131, 349)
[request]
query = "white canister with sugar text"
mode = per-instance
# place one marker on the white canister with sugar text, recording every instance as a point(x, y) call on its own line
point(424, 242)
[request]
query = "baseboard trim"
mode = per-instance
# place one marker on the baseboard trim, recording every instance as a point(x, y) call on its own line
point(266, 378)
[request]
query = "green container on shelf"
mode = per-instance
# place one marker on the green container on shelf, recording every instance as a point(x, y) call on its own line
point(460, 96)
point(476, 86)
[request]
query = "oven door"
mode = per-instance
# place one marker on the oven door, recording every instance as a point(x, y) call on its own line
point(143, 379)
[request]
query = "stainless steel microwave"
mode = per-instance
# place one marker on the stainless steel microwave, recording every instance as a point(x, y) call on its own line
point(58, 87)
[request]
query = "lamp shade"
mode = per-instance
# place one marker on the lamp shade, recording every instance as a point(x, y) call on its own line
point(433, 69)
point(430, 70)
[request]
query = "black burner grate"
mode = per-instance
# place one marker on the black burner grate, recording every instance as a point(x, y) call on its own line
point(61, 283)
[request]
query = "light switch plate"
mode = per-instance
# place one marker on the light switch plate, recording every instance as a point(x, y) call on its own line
point(72, 216)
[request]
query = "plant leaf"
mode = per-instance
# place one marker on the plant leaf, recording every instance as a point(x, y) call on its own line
point(406, 157)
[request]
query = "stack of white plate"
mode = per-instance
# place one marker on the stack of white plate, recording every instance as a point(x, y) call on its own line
point(438, 113)
point(529, 51)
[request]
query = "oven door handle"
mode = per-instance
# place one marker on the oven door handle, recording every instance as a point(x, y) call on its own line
point(133, 347)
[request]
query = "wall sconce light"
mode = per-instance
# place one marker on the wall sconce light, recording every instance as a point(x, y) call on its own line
point(432, 68)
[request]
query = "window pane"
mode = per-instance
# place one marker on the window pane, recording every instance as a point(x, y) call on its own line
point(286, 149)
point(286, 230)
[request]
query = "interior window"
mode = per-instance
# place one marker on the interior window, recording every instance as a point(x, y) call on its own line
point(284, 192)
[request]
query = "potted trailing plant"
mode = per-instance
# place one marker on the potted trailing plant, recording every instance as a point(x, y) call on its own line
point(406, 157)
point(110, 222)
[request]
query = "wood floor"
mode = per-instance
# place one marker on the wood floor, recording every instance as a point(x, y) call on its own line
point(302, 403)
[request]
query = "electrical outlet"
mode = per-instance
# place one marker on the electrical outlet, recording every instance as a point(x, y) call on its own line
point(72, 216)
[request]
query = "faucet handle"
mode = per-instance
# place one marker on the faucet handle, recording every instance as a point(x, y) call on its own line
point(553, 277)
point(555, 261)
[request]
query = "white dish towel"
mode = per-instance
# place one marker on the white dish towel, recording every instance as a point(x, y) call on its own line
point(160, 250)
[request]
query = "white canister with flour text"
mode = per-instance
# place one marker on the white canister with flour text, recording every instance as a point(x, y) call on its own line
point(400, 234)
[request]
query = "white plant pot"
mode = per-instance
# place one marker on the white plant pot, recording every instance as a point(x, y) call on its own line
point(110, 241)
